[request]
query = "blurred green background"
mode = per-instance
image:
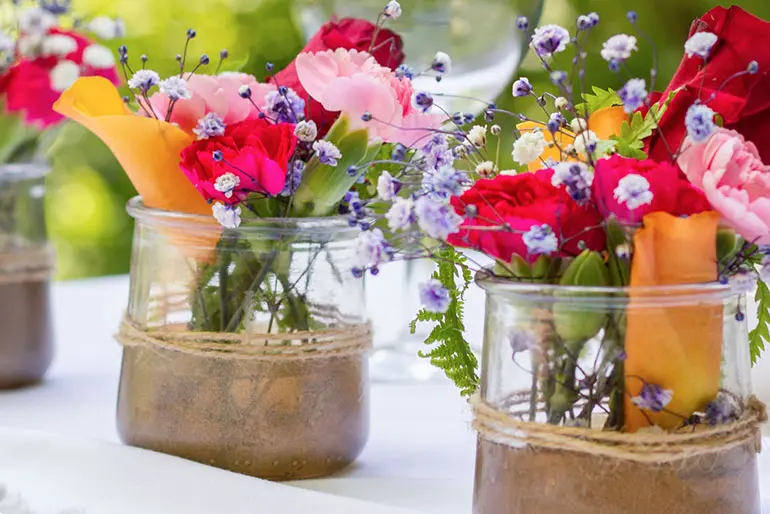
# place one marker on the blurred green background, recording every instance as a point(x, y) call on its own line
point(87, 189)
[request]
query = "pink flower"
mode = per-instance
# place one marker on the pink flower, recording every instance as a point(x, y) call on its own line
point(217, 94)
point(353, 83)
point(730, 172)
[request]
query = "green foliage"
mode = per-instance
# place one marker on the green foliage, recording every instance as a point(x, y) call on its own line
point(600, 99)
point(452, 354)
point(761, 333)
point(630, 141)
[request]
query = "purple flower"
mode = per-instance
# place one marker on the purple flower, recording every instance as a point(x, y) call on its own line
point(285, 106)
point(550, 39)
point(293, 178)
point(437, 219)
point(434, 296)
point(442, 63)
point(700, 122)
point(540, 240)
point(400, 216)
point(618, 48)
point(576, 178)
point(522, 22)
point(227, 215)
point(634, 191)
point(176, 88)
point(211, 125)
point(144, 80)
point(423, 101)
point(722, 410)
point(522, 87)
point(444, 182)
point(438, 156)
point(653, 398)
point(372, 249)
point(404, 71)
point(633, 95)
point(387, 186)
point(326, 152)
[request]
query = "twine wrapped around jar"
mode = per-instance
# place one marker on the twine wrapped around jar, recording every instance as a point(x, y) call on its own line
point(653, 448)
point(330, 342)
point(27, 265)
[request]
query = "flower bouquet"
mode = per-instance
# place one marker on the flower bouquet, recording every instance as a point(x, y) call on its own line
point(616, 262)
point(245, 339)
point(39, 58)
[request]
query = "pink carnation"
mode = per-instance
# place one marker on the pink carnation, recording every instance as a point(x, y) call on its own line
point(730, 172)
point(353, 83)
point(217, 94)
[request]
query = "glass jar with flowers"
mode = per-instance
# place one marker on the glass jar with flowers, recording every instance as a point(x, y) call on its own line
point(245, 339)
point(619, 252)
point(39, 58)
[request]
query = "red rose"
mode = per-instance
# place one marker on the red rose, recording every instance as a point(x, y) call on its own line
point(744, 102)
point(669, 192)
point(521, 202)
point(350, 34)
point(26, 86)
point(253, 157)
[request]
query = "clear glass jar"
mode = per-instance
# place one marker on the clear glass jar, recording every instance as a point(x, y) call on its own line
point(26, 268)
point(565, 371)
point(282, 406)
point(483, 61)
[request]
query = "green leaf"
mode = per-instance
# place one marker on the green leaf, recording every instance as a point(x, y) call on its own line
point(600, 99)
point(451, 352)
point(761, 333)
point(633, 132)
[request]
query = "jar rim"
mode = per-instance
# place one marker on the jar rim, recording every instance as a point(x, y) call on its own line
point(20, 171)
point(328, 225)
point(534, 292)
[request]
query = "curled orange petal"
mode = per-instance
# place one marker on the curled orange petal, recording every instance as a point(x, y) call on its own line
point(675, 347)
point(606, 122)
point(148, 149)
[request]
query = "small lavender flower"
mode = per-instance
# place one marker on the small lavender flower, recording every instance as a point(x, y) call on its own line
point(144, 80)
point(522, 23)
point(555, 122)
point(522, 341)
point(372, 249)
point(398, 153)
point(226, 183)
point(285, 106)
point(327, 153)
point(57, 7)
point(387, 186)
point(293, 178)
point(576, 177)
point(558, 77)
point(623, 251)
point(634, 191)
point(175, 88)
point(618, 48)
point(722, 410)
point(244, 91)
point(211, 125)
point(436, 139)
point(540, 240)
point(550, 39)
point(652, 397)
point(699, 121)
point(633, 95)
point(743, 281)
point(442, 63)
point(227, 215)
point(700, 45)
point(444, 182)
point(584, 22)
point(585, 143)
point(753, 68)
point(306, 131)
point(522, 87)
point(400, 216)
point(434, 296)
point(404, 71)
point(594, 17)
point(435, 218)
point(392, 10)
point(438, 156)
point(423, 101)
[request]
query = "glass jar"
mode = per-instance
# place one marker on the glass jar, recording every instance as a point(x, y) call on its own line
point(26, 268)
point(483, 61)
point(572, 380)
point(245, 348)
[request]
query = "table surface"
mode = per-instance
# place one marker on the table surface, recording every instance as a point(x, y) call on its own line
point(420, 453)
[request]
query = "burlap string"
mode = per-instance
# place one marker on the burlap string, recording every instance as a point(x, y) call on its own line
point(654, 448)
point(28, 265)
point(332, 342)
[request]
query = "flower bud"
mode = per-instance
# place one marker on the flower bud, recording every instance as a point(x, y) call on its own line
point(575, 323)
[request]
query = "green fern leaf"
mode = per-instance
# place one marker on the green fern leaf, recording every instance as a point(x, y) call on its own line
point(761, 334)
point(600, 99)
point(449, 350)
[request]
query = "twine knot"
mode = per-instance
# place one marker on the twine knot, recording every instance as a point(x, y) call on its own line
point(27, 265)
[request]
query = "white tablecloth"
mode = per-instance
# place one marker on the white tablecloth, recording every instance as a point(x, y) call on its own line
point(420, 453)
